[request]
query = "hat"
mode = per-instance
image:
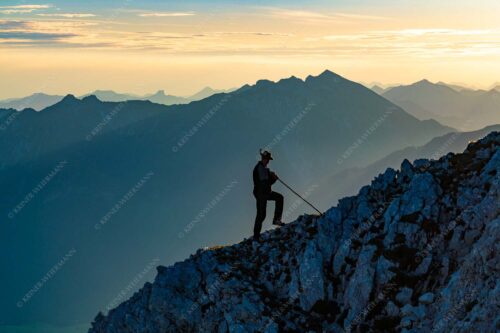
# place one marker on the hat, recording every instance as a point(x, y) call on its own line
point(265, 154)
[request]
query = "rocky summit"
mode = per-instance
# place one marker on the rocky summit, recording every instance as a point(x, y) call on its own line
point(415, 251)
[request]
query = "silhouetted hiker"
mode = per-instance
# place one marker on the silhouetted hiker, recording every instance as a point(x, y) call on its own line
point(263, 179)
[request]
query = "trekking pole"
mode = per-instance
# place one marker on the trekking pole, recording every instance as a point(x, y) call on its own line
point(307, 202)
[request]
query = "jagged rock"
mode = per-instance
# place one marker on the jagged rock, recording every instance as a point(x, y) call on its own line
point(404, 296)
point(383, 270)
point(426, 238)
point(311, 277)
point(426, 298)
point(423, 268)
point(406, 322)
point(406, 170)
point(358, 291)
point(392, 309)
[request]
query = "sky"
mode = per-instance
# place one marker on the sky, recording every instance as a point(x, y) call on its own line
point(133, 46)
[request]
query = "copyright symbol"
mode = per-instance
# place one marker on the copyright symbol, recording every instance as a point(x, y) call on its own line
point(20, 304)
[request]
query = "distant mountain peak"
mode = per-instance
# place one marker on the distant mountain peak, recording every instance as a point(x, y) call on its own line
point(423, 82)
point(378, 89)
point(40, 94)
point(327, 75)
point(100, 91)
point(264, 82)
point(69, 98)
point(291, 81)
point(160, 93)
point(91, 98)
point(207, 89)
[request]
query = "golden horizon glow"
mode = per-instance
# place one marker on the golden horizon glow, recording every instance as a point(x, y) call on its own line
point(59, 51)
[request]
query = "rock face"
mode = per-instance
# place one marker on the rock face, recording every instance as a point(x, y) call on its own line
point(416, 251)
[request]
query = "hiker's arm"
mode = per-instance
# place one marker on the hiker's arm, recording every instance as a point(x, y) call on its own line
point(274, 177)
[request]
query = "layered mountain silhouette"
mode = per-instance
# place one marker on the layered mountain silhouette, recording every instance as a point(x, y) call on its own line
point(36, 101)
point(112, 96)
point(457, 87)
point(378, 89)
point(159, 97)
point(40, 101)
point(416, 250)
point(495, 86)
point(132, 181)
point(465, 109)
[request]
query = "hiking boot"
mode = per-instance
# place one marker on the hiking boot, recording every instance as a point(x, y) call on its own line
point(278, 223)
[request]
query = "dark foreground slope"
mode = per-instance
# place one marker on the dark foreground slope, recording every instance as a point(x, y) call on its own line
point(414, 251)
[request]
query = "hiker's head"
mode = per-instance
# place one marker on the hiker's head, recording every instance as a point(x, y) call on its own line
point(265, 157)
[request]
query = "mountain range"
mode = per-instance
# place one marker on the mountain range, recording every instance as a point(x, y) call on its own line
point(39, 101)
point(414, 251)
point(159, 97)
point(82, 176)
point(464, 109)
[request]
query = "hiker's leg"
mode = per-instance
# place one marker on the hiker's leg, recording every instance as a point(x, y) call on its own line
point(260, 217)
point(278, 209)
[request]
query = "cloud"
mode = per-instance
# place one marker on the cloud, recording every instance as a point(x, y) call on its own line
point(421, 32)
point(55, 44)
point(316, 16)
point(407, 34)
point(360, 16)
point(21, 8)
point(9, 25)
point(27, 7)
point(251, 33)
point(15, 11)
point(167, 14)
point(68, 15)
point(34, 35)
point(423, 43)
point(299, 14)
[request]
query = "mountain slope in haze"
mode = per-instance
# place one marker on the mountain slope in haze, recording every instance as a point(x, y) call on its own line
point(175, 177)
point(207, 92)
point(346, 182)
point(456, 86)
point(36, 101)
point(378, 89)
point(417, 250)
point(495, 86)
point(464, 109)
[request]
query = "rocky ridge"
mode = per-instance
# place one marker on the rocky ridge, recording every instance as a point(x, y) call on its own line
point(414, 251)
